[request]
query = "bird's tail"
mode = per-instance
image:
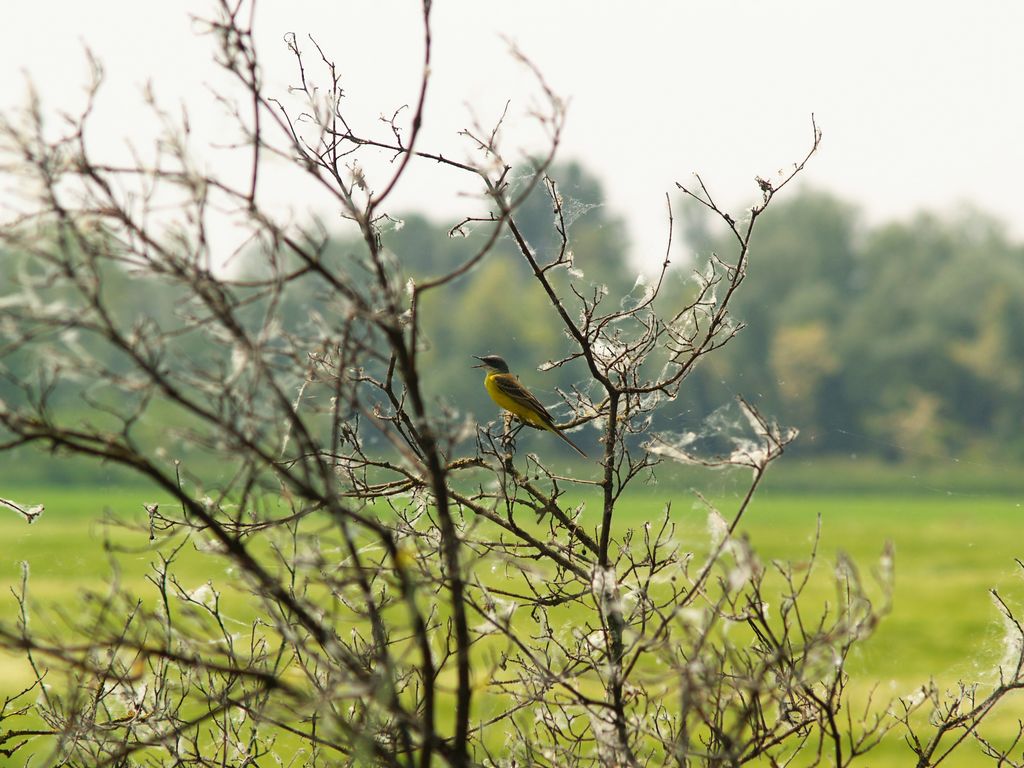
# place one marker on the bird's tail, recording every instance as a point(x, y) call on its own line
point(575, 447)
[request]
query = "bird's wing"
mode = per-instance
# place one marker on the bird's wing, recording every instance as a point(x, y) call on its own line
point(509, 385)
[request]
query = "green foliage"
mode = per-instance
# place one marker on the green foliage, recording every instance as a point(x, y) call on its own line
point(906, 336)
point(902, 341)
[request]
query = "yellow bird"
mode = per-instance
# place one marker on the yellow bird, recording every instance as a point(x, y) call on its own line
point(506, 390)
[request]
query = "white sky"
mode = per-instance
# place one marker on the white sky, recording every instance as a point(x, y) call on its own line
point(920, 102)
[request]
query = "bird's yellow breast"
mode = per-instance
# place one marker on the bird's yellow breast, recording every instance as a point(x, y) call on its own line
point(513, 406)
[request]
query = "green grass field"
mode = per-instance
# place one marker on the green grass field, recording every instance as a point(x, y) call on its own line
point(951, 549)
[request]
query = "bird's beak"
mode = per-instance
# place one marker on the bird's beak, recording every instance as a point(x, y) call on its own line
point(481, 365)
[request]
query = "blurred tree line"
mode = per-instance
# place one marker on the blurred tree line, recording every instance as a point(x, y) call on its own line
point(905, 340)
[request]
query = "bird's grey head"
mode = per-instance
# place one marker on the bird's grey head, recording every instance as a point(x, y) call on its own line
point(492, 363)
